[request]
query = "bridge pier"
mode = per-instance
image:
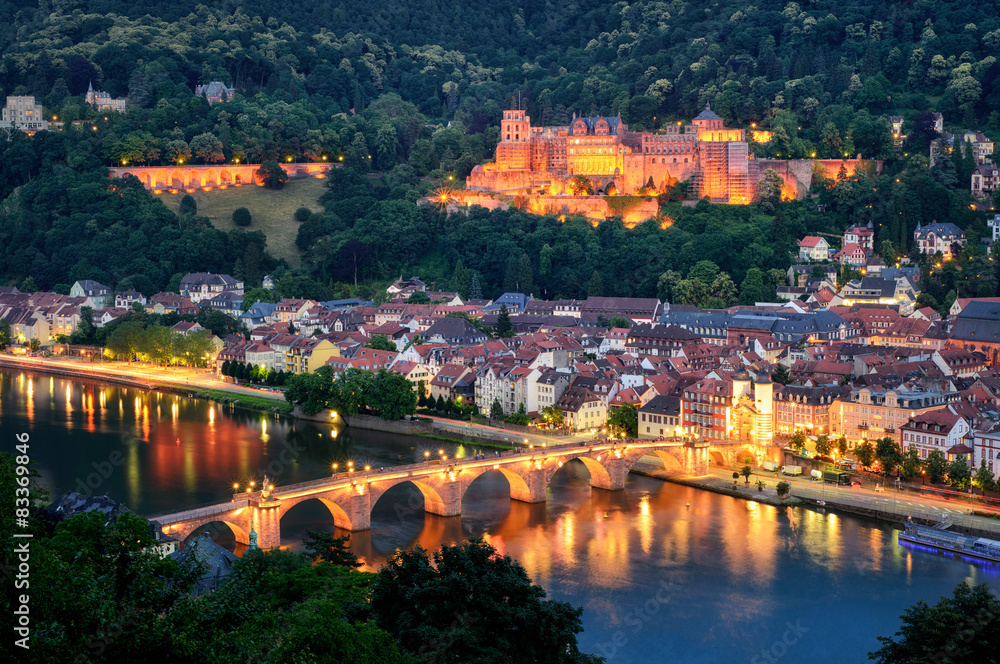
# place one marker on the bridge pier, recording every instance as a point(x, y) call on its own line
point(696, 458)
point(614, 478)
point(533, 488)
point(360, 510)
point(446, 502)
point(266, 520)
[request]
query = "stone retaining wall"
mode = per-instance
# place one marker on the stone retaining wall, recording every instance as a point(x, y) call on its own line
point(405, 427)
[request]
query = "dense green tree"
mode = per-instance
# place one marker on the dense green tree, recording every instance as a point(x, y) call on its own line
point(5, 337)
point(936, 465)
point(624, 420)
point(324, 546)
point(960, 628)
point(311, 391)
point(596, 286)
point(768, 193)
point(797, 441)
point(959, 475)
point(888, 454)
point(381, 342)
point(842, 445)
point(911, 464)
point(503, 328)
point(391, 396)
point(272, 175)
point(865, 453)
point(983, 479)
point(417, 596)
point(208, 148)
point(188, 205)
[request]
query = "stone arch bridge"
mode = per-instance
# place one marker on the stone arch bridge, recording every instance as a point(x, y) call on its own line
point(351, 496)
point(176, 178)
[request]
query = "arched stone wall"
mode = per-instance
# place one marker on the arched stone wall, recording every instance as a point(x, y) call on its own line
point(237, 523)
point(519, 489)
point(599, 475)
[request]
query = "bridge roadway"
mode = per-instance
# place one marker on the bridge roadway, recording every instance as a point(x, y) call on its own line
point(350, 496)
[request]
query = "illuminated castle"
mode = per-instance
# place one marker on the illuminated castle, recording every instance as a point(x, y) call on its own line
point(543, 160)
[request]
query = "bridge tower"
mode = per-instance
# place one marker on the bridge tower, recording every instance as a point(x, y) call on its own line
point(763, 393)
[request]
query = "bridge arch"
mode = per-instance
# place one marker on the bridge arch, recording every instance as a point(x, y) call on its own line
point(599, 475)
point(717, 457)
point(194, 178)
point(341, 518)
point(670, 462)
point(211, 177)
point(225, 176)
point(742, 454)
point(434, 502)
point(519, 489)
point(185, 531)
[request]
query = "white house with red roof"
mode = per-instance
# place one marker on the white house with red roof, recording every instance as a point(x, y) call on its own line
point(863, 236)
point(853, 255)
point(940, 429)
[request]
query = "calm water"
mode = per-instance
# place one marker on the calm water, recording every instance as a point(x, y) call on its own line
point(664, 572)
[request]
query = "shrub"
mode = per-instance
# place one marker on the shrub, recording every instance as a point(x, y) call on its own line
point(303, 214)
point(783, 489)
point(241, 217)
point(188, 205)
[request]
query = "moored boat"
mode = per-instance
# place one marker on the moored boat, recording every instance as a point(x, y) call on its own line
point(942, 540)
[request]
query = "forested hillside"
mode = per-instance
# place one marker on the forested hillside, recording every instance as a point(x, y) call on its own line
point(375, 87)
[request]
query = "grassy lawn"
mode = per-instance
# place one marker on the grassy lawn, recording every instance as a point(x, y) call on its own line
point(271, 210)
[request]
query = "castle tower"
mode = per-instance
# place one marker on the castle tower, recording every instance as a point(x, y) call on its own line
point(514, 151)
point(763, 394)
point(515, 126)
point(90, 98)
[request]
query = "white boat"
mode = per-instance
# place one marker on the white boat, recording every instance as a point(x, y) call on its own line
point(942, 540)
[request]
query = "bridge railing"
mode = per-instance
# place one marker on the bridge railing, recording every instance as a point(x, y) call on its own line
point(211, 510)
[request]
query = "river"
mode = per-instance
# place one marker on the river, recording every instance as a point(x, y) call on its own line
point(664, 572)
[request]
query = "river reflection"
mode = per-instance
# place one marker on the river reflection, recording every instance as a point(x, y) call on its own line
point(664, 572)
point(160, 452)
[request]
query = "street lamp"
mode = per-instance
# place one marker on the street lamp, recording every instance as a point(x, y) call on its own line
point(335, 469)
